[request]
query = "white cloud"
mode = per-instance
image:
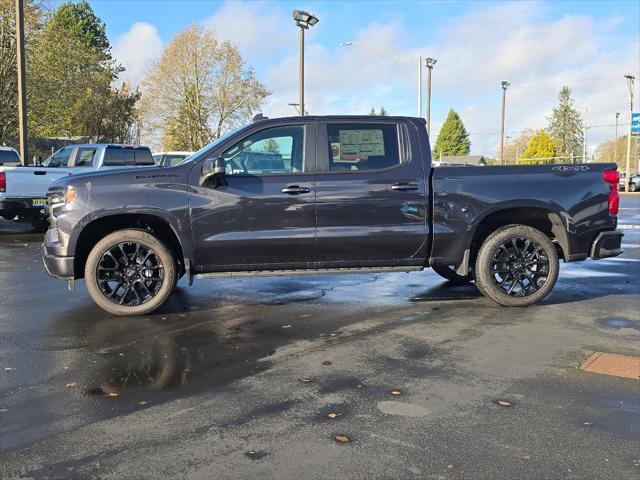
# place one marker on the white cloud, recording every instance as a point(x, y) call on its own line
point(261, 34)
point(136, 49)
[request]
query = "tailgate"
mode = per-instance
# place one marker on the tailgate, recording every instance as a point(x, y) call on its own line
point(31, 182)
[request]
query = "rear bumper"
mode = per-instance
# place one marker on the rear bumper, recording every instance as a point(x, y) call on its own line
point(20, 206)
point(607, 244)
point(58, 266)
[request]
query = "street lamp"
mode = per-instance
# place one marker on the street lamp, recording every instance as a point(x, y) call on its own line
point(430, 62)
point(393, 54)
point(303, 20)
point(505, 85)
point(630, 81)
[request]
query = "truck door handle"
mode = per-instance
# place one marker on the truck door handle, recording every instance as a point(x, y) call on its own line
point(295, 190)
point(40, 172)
point(404, 187)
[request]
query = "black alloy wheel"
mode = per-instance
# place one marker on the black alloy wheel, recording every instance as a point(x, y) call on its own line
point(129, 273)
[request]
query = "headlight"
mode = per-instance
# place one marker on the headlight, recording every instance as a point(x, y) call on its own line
point(62, 196)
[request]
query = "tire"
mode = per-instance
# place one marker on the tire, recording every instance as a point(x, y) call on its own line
point(451, 275)
point(633, 187)
point(524, 249)
point(127, 260)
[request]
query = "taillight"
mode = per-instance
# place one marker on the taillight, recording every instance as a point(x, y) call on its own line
point(612, 177)
point(3, 182)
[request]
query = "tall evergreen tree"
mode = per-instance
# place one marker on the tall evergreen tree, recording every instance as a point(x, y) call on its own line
point(566, 125)
point(453, 138)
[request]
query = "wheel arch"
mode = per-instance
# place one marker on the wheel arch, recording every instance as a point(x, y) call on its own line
point(101, 226)
point(541, 218)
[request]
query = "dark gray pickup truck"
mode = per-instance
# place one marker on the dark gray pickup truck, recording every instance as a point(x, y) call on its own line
point(337, 194)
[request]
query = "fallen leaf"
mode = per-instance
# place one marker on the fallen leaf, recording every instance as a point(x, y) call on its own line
point(588, 424)
point(121, 354)
point(97, 465)
point(326, 362)
point(111, 394)
point(332, 415)
point(341, 438)
point(449, 467)
point(503, 403)
point(359, 386)
point(4, 409)
point(66, 367)
point(142, 402)
point(305, 380)
point(395, 392)
point(9, 369)
point(71, 385)
point(287, 326)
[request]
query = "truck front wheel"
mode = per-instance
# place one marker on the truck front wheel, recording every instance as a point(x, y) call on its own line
point(517, 266)
point(130, 272)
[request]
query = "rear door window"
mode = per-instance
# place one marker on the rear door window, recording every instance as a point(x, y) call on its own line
point(360, 147)
point(172, 160)
point(85, 156)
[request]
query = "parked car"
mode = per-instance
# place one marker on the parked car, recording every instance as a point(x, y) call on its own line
point(9, 157)
point(338, 194)
point(634, 183)
point(169, 159)
point(23, 190)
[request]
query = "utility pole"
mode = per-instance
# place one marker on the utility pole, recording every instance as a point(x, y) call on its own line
point(615, 145)
point(22, 85)
point(504, 100)
point(430, 62)
point(631, 82)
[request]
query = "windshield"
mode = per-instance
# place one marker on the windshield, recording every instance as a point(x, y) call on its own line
point(210, 146)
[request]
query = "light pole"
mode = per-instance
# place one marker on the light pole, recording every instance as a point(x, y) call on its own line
point(393, 54)
point(615, 145)
point(630, 81)
point(430, 62)
point(505, 85)
point(303, 20)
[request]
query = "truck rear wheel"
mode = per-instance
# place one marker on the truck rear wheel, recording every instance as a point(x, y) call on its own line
point(130, 272)
point(451, 275)
point(517, 266)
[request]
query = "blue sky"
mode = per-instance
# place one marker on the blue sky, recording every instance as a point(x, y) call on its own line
point(538, 46)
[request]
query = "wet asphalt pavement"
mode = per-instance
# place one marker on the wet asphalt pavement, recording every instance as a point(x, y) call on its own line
point(236, 378)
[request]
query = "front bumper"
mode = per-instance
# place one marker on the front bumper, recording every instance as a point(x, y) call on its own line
point(57, 265)
point(607, 244)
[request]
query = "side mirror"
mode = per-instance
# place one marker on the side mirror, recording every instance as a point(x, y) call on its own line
point(212, 167)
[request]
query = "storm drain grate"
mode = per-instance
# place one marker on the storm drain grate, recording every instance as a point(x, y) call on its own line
point(612, 364)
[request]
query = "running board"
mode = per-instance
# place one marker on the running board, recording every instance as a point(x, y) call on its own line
point(321, 271)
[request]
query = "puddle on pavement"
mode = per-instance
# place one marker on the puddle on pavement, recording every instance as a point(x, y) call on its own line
point(618, 323)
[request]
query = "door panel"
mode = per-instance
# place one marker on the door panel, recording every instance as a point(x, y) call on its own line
point(368, 215)
point(247, 221)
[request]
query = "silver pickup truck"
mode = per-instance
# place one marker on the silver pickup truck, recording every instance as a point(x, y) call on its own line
point(23, 190)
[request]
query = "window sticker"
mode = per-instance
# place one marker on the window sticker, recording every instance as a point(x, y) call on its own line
point(358, 145)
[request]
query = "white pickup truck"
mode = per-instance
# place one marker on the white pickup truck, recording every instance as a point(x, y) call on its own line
point(23, 190)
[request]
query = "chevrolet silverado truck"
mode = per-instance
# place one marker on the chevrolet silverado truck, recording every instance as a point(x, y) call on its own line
point(23, 189)
point(338, 194)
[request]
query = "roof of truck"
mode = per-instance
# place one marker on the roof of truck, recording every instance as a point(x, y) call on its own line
point(121, 145)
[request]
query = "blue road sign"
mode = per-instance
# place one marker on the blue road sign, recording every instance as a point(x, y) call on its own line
point(635, 124)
